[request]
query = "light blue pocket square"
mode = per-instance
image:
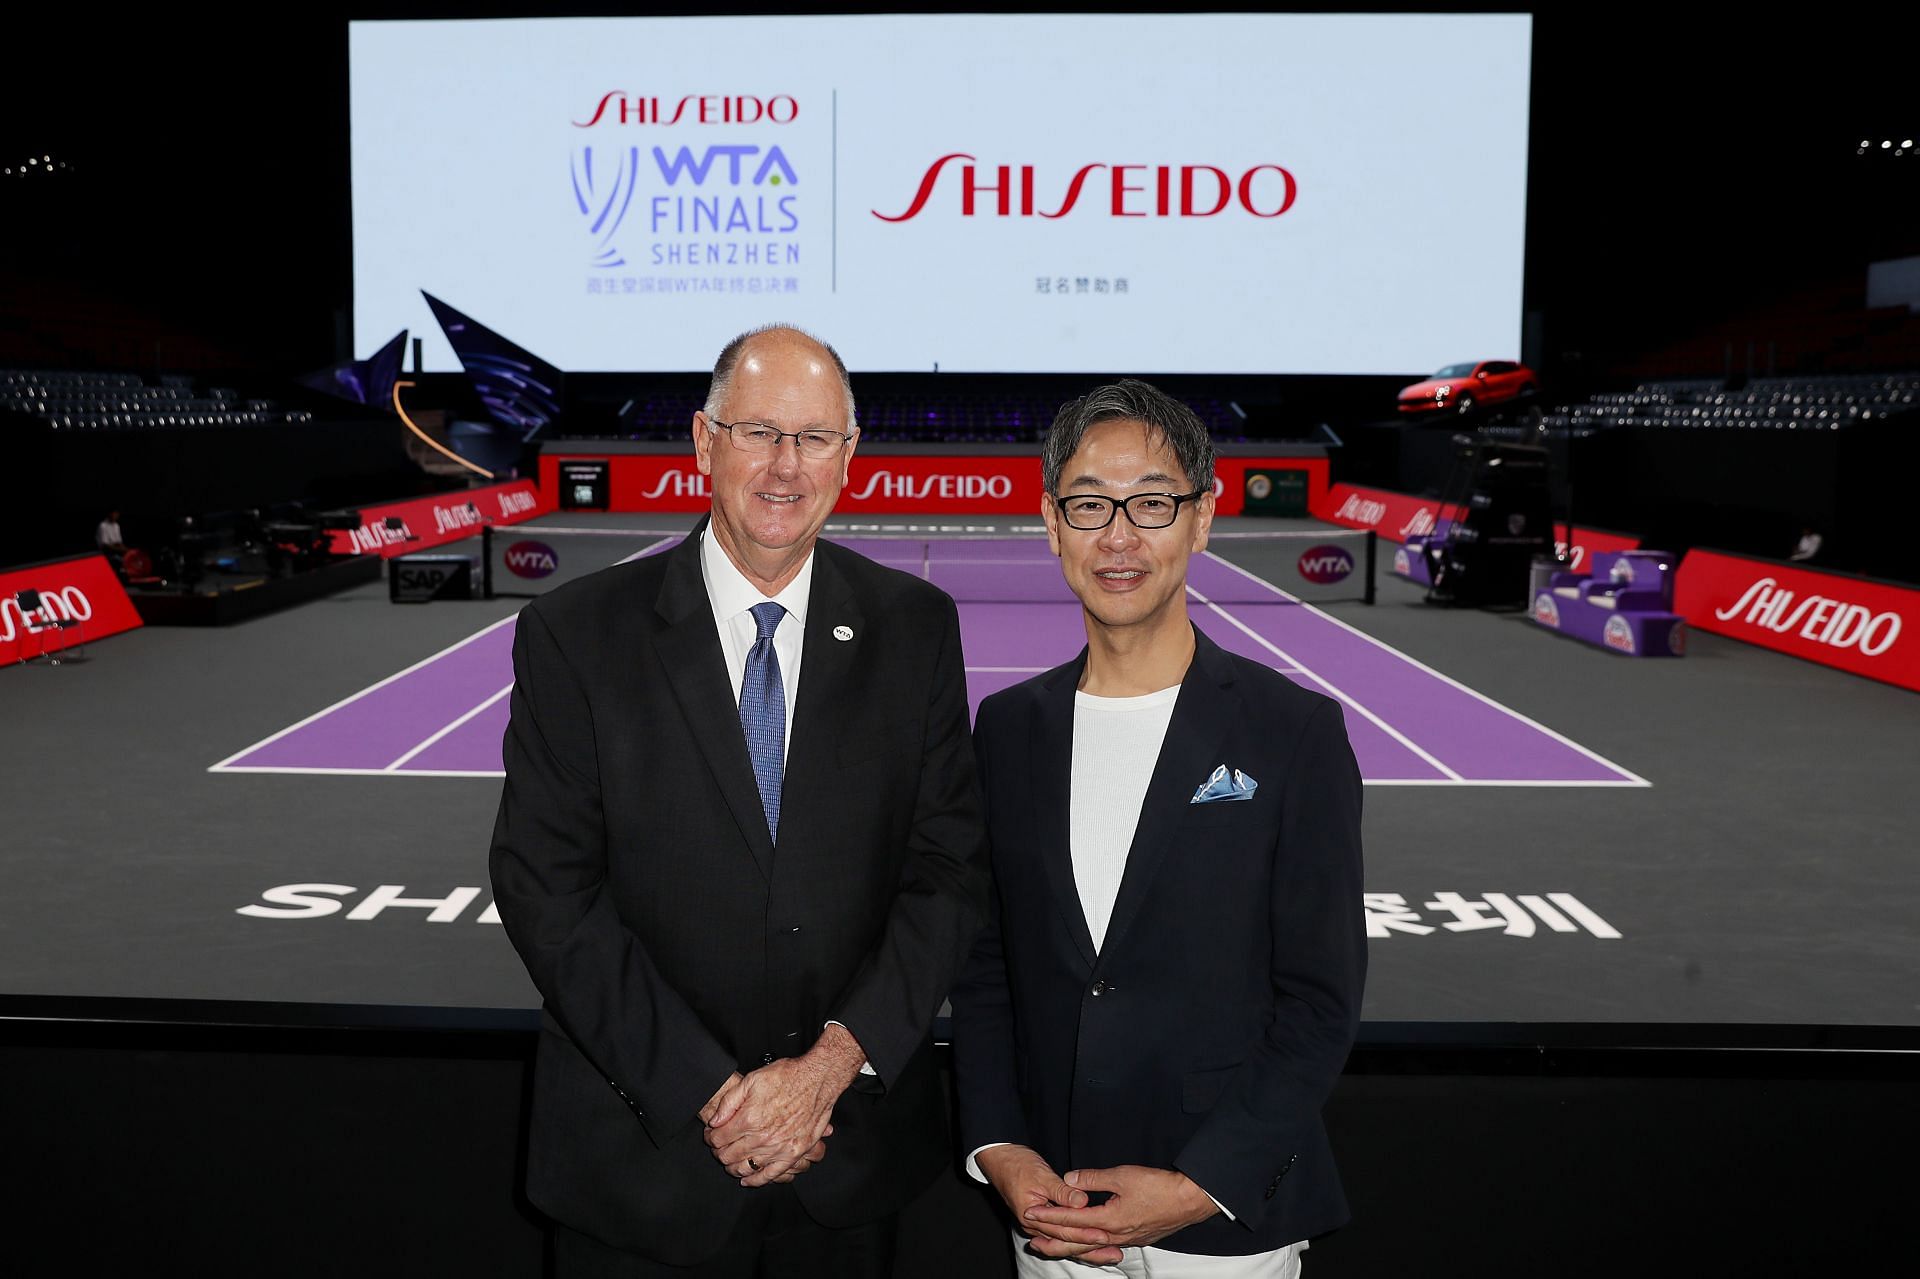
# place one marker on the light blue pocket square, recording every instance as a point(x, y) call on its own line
point(1225, 785)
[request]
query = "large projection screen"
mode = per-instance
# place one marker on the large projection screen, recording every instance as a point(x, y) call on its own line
point(1216, 193)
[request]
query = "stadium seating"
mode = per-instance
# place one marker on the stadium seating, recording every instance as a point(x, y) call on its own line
point(1789, 404)
point(78, 401)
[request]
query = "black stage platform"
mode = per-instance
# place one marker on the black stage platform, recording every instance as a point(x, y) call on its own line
point(1762, 1002)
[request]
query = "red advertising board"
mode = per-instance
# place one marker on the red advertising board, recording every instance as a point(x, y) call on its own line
point(1397, 517)
point(434, 521)
point(1857, 625)
point(893, 483)
point(82, 590)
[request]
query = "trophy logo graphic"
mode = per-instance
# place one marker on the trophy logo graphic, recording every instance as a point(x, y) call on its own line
point(602, 194)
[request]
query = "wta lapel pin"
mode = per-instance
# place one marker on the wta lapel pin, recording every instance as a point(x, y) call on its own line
point(843, 633)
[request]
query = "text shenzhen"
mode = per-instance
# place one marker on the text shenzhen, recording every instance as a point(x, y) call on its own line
point(1509, 914)
point(1325, 565)
point(1388, 914)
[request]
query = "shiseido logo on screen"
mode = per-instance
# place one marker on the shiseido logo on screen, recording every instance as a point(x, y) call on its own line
point(616, 107)
point(887, 484)
point(516, 503)
point(1815, 617)
point(1116, 190)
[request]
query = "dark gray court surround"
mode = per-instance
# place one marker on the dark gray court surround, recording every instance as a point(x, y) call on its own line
point(1768, 875)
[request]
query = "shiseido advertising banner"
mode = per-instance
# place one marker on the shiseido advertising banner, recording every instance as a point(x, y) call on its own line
point(1397, 517)
point(1861, 626)
point(896, 484)
point(434, 521)
point(82, 590)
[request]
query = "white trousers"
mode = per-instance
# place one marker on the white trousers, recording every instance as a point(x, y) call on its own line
point(1158, 1263)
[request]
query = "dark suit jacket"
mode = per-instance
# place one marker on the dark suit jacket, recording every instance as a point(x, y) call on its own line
point(673, 944)
point(1209, 1029)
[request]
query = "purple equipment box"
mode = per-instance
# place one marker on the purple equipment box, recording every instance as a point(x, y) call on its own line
point(1626, 605)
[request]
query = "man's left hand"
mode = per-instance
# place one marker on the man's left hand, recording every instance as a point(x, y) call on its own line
point(1145, 1204)
point(774, 1118)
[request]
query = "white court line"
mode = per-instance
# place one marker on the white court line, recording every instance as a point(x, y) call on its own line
point(1630, 778)
point(1285, 656)
point(227, 765)
point(372, 772)
point(395, 766)
point(224, 766)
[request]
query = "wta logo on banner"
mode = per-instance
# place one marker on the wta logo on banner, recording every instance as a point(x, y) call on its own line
point(693, 216)
point(1326, 565)
point(531, 559)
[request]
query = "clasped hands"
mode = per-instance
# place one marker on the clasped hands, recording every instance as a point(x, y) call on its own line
point(771, 1124)
point(1143, 1206)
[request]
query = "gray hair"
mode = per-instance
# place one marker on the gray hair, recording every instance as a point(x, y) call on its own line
point(723, 368)
point(1130, 400)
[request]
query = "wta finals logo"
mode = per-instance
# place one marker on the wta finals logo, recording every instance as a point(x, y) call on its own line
point(602, 196)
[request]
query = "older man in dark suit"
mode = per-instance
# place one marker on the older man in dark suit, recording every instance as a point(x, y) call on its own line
point(1146, 1033)
point(740, 851)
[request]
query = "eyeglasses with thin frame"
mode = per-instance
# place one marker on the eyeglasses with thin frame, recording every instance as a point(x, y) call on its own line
point(759, 437)
point(1088, 511)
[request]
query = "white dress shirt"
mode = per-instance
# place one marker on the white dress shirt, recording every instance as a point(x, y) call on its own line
point(733, 597)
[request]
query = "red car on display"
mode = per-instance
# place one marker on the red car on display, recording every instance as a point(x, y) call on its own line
point(1459, 387)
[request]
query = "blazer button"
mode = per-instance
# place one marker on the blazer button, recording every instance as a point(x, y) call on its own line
point(766, 1059)
point(1101, 988)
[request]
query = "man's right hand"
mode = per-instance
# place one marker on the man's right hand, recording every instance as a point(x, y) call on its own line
point(798, 1166)
point(1025, 1181)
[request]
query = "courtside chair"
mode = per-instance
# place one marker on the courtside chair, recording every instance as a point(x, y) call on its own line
point(29, 602)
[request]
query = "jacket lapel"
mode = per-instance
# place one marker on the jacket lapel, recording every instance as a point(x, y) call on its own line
point(1203, 716)
point(689, 648)
point(1052, 780)
point(827, 669)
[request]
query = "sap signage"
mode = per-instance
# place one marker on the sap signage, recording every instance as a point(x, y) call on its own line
point(890, 483)
point(1267, 193)
point(1854, 623)
point(81, 590)
point(400, 528)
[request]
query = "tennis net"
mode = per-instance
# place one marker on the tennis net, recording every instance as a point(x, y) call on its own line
point(1003, 566)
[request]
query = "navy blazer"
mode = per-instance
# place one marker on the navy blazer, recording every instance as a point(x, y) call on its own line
point(1209, 1029)
point(673, 943)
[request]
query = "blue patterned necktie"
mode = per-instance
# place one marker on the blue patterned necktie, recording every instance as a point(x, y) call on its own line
point(763, 713)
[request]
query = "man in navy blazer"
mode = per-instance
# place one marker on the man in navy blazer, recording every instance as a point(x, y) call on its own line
point(1170, 983)
point(739, 849)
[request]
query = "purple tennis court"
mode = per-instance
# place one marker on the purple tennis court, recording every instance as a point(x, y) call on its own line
point(1410, 725)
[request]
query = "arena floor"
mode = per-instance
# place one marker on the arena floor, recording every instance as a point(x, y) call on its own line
point(1724, 838)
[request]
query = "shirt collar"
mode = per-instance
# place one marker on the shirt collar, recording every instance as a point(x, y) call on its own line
point(731, 592)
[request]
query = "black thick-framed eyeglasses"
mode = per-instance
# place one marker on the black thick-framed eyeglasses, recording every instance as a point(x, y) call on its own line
point(759, 437)
point(1088, 511)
